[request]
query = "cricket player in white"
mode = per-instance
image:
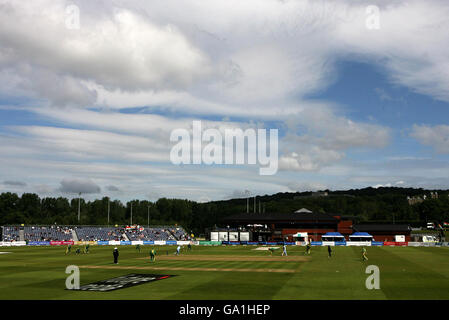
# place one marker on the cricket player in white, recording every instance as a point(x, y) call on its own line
point(178, 250)
point(284, 250)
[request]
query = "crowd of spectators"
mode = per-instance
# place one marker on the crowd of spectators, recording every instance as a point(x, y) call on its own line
point(149, 234)
point(99, 234)
point(51, 233)
point(180, 233)
point(64, 233)
point(10, 234)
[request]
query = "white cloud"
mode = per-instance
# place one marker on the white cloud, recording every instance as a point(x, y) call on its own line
point(118, 49)
point(253, 61)
point(311, 160)
point(324, 139)
point(387, 185)
point(251, 55)
point(43, 189)
point(411, 43)
point(76, 185)
point(87, 144)
point(324, 143)
point(436, 137)
point(338, 132)
point(112, 188)
point(14, 183)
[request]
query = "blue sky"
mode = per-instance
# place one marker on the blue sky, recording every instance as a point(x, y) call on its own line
point(364, 92)
point(91, 92)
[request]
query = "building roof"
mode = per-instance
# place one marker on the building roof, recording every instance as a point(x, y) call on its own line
point(287, 217)
point(360, 234)
point(333, 234)
point(381, 227)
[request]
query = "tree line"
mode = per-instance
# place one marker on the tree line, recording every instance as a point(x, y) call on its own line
point(385, 205)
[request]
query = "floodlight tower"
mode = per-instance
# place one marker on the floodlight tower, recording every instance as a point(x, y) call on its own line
point(148, 215)
point(131, 213)
point(247, 193)
point(109, 208)
point(79, 207)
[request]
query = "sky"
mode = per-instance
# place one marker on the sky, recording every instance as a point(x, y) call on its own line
point(90, 93)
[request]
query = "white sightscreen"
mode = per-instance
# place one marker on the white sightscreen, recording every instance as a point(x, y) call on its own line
point(244, 236)
point(233, 236)
point(214, 236)
point(222, 236)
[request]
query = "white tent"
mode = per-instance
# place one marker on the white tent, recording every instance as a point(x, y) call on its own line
point(303, 210)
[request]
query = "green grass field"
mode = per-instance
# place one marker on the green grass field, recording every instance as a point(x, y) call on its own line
point(230, 273)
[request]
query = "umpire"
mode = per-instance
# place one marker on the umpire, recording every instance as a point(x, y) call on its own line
point(115, 254)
